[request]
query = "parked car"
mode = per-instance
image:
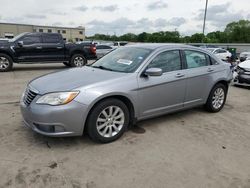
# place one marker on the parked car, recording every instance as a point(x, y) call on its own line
point(242, 74)
point(127, 85)
point(244, 56)
point(220, 53)
point(43, 47)
point(103, 49)
point(121, 43)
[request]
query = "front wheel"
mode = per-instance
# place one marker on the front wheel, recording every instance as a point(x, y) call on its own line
point(108, 121)
point(6, 63)
point(78, 60)
point(217, 98)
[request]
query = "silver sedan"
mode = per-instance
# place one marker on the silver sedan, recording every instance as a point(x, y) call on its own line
point(127, 85)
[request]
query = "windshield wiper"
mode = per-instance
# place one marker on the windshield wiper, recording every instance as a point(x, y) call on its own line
point(103, 68)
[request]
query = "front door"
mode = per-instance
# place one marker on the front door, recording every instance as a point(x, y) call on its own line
point(160, 94)
point(30, 50)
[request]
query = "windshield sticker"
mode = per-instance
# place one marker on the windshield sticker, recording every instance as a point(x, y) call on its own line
point(125, 61)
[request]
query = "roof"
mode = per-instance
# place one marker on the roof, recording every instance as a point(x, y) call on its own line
point(154, 46)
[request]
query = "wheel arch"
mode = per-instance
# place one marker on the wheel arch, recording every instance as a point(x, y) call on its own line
point(7, 53)
point(124, 99)
point(224, 82)
point(82, 52)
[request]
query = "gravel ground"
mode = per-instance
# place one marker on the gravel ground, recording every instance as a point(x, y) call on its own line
point(192, 148)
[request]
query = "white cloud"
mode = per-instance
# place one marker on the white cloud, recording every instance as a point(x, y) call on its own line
point(156, 5)
point(109, 16)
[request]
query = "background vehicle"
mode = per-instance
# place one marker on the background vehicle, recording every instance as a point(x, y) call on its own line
point(244, 56)
point(43, 47)
point(127, 85)
point(121, 43)
point(103, 49)
point(242, 74)
point(220, 53)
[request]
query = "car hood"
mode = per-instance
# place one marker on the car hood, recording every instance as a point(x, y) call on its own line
point(72, 79)
point(4, 43)
point(245, 65)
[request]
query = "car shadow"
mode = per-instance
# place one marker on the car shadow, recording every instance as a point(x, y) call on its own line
point(242, 86)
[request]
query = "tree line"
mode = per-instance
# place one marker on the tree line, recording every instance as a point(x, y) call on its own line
point(235, 32)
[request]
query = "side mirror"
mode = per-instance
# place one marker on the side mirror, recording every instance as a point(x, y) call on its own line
point(153, 72)
point(20, 43)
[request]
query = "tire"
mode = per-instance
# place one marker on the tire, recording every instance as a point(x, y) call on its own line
point(6, 63)
point(67, 64)
point(217, 98)
point(78, 60)
point(110, 128)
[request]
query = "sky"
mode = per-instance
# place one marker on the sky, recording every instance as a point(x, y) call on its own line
point(126, 16)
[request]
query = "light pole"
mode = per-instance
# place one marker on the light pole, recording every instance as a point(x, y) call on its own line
point(204, 22)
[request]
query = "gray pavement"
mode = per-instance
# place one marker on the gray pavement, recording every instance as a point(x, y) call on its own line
point(186, 149)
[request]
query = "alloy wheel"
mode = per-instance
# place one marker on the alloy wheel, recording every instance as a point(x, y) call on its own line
point(218, 98)
point(4, 63)
point(78, 61)
point(110, 121)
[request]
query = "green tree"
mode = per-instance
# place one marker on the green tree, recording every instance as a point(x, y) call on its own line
point(238, 31)
point(197, 38)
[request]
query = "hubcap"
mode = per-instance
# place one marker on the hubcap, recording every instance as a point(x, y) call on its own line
point(79, 61)
point(4, 63)
point(218, 98)
point(110, 121)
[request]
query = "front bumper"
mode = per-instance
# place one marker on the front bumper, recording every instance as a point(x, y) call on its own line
point(56, 121)
point(242, 79)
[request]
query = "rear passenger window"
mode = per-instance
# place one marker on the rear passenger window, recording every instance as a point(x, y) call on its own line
point(51, 39)
point(196, 59)
point(167, 61)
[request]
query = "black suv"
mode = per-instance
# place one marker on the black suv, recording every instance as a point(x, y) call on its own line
point(43, 47)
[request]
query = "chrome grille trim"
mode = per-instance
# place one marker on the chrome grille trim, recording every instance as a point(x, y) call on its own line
point(29, 96)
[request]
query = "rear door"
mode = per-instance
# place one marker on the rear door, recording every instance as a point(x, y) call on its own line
point(199, 72)
point(161, 94)
point(52, 47)
point(31, 48)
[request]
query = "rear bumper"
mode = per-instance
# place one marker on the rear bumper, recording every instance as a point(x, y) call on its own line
point(56, 121)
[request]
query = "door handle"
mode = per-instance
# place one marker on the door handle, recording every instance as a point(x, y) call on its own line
point(179, 75)
point(59, 47)
point(210, 70)
point(39, 47)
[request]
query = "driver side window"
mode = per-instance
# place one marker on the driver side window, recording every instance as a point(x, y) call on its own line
point(28, 40)
point(167, 61)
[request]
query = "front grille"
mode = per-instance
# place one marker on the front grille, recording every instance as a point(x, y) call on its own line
point(29, 96)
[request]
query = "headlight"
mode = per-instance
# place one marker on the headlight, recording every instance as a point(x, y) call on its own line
point(59, 98)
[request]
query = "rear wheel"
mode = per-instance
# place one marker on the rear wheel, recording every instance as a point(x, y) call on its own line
point(78, 60)
point(217, 98)
point(108, 121)
point(6, 63)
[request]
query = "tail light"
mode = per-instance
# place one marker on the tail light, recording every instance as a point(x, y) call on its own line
point(93, 48)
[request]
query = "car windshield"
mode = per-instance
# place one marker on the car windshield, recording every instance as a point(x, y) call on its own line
point(17, 37)
point(124, 59)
